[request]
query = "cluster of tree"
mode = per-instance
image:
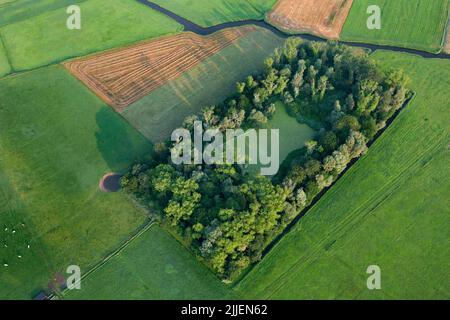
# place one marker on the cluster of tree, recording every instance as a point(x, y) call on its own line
point(229, 216)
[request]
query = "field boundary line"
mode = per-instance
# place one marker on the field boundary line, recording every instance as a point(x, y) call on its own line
point(8, 58)
point(113, 254)
point(445, 33)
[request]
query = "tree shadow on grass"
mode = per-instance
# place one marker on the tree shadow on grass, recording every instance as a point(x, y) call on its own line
point(120, 144)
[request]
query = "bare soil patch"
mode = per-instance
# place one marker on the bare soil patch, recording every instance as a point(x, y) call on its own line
point(123, 76)
point(110, 182)
point(324, 18)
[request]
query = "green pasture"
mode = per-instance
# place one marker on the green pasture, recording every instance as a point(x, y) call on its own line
point(210, 82)
point(207, 13)
point(57, 140)
point(44, 39)
point(153, 266)
point(390, 209)
point(292, 136)
point(417, 24)
point(12, 11)
point(5, 68)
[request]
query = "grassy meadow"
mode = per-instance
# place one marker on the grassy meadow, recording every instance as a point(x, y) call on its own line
point(207, 13)
point(12, 11)
point(153, 266)
point(417, 24)
point(5, 68)
point(57, 140)
point(44, 39)
point(390, 209)
point(164, 109)
point(292, 135)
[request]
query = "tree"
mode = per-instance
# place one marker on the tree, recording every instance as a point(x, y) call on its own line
point(268, 64)
point(250, 82)
point(290, 48)
point(209, 116)
point(297, 83)
point(188, 122)
point(260, 95)
point(312, 189)
point(312, 167)
point(322, 87)
point(311, 77)
point(301, 67)
point(345, 124)
point(341, 160)
point(369, 127)
point(328, 140)
point(160, 149)
point(329, 163)
point(311, 146)
point(257, 117)
point(356, 144)
point(350, 102)
point(197, 231)
point(270, 82)
point(282, 83)
point(367, 97)
point(226, 214)
point(300, 198)
point(323, 181)
point(277, 56)
point(162, 178)
point(287, 98)
point(271, 109)
point(240, 87)
point(184, 200)
point(397, 78)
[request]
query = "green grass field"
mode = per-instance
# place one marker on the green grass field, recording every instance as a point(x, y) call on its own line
point(5, 68)
point(12, 11)
point(293, 134)
point(153, 266)
point(417, 24)
point(208, 83)
point(57, 140)
point(207, 13)
point(105, 24)
point(391, 209)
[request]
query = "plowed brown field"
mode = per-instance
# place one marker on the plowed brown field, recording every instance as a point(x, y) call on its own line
point(321, 17)
point(123, 76)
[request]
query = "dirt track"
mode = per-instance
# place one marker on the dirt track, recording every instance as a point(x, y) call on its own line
point(324, 18)
point(123, 76)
